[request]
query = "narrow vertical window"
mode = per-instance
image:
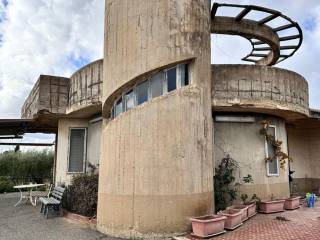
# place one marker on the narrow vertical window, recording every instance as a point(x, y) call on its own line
point(157, 84)
point(272, 165)
point(118, 107)
point(171, 79)
point(129, 100)
point(184, 75)
point(77, 150)
point(142, 92)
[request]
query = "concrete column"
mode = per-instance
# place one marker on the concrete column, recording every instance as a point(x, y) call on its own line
point(156, 168)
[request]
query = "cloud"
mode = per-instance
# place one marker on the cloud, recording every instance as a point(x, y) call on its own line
point(305, 61)
point(53, 37)
point(45, 37)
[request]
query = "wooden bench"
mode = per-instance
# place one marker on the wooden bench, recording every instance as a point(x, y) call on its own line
point(52, 203)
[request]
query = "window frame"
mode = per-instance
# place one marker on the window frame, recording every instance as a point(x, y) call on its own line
point(84, 153)
point(267, 155)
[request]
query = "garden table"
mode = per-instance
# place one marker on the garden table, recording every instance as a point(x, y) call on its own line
point(28, 196)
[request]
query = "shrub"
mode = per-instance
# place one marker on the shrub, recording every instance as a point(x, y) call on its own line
point(6, 185)
point(27, 166)
point(82, 195)
point(225, 190)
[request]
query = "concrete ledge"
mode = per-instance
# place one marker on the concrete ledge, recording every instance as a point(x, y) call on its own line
point(263, 89)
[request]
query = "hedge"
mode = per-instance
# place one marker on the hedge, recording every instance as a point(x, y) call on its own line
point(23, 167)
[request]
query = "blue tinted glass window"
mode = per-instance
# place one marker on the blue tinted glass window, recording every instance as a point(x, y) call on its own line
point(142, 92)
point(172, 79)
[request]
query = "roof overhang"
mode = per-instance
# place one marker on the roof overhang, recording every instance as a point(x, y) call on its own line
point(18, 127)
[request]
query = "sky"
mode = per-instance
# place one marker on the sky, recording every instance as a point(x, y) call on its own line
point(56, 37)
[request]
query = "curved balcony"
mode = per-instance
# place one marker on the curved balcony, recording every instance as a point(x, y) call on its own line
point(254, 88)
point(86, 89)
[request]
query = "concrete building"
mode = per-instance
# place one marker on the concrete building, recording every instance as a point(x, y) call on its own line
point(156, 117)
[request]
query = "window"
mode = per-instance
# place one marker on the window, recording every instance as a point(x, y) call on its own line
point(184, 75)
point(129, 100)
point(272, 166)
point(77, 150)
point(118, 108)
point(171, 79)
point(142, 92)
point(157, 85)
point(160, 83)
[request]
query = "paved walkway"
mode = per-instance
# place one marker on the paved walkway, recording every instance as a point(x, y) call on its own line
point(304, 224)
point(25, 222)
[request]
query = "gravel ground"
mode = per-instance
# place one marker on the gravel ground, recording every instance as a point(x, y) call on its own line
point(25, 222)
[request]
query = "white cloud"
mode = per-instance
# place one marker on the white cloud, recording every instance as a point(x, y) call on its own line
point(44, 37)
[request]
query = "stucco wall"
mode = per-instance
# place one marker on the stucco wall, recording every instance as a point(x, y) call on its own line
point(246, 145)
point(63, 147)
point(304, 145)
point(156, 168)
point(261, 89)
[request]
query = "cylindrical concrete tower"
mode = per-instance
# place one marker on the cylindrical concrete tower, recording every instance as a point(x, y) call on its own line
point(156, 168)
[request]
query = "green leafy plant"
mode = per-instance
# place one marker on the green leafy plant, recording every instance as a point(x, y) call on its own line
point(6, 185)
point(24, 167)
point(247, 179)
point(225, 189)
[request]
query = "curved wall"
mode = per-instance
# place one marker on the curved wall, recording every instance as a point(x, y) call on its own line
point(156, 168)
point(86, 87)
point(259, 89)
point(245, 144)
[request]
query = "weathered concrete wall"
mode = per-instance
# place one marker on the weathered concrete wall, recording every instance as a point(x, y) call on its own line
point(304, 147)
point(49, 95)
point(261, 89)
point(86, 87)
point(156, 168)
point(246, 145)
point(63, 148)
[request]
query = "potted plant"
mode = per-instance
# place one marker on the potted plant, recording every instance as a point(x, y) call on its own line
point(292, 203)
point(234, 218)
point(271, 206)
point(208, 226)
point(251, 205)
point(244, 208)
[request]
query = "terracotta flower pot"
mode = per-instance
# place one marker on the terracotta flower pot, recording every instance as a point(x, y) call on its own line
point(252, 209)
point(292, 203)
point(244, 208)
point(272, 206)
point(234, 218)
point(207, 226)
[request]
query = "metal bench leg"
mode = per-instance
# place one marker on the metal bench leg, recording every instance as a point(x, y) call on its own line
point(41, 210)
point(48, 207)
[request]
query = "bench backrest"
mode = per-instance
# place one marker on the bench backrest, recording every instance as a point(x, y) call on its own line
point(57, 193)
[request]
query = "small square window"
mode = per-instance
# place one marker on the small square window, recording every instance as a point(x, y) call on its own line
point(129, 100)
point(171, 79)
point(142, 92)
point(157, 84)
